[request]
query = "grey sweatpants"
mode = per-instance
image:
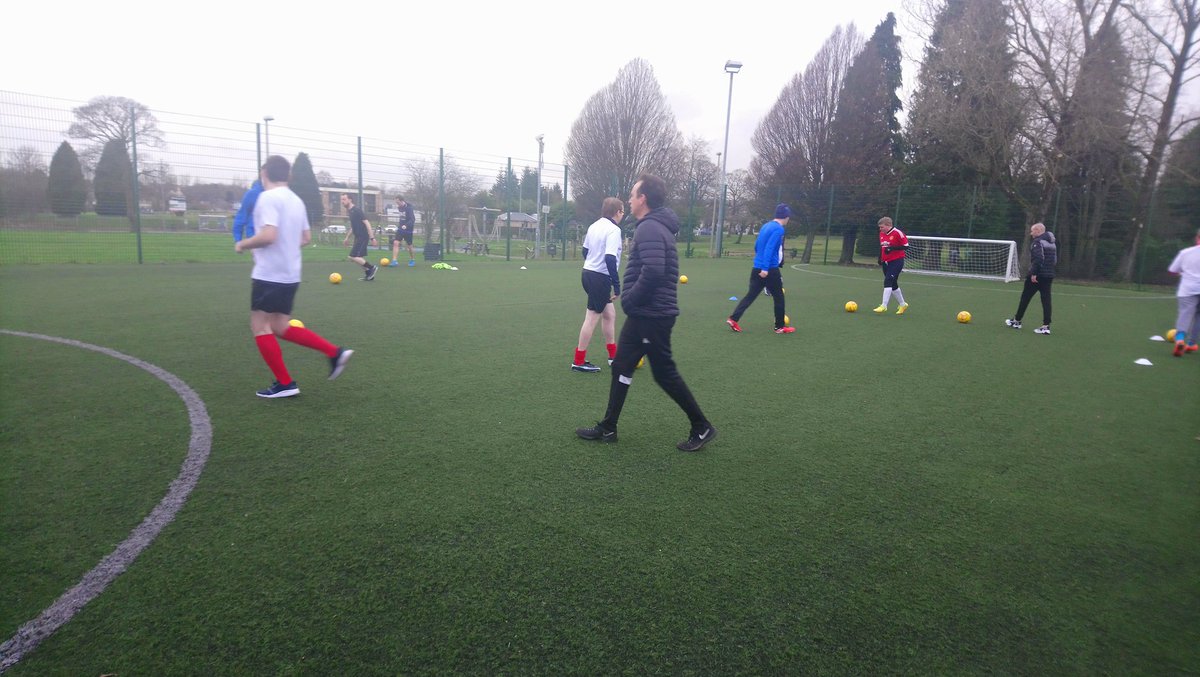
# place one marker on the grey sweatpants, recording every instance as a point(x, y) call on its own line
point(1189, 319)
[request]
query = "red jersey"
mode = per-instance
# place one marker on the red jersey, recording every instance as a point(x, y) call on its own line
point(892, 238)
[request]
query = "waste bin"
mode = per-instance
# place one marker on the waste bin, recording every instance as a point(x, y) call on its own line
point(552, 249)
point(433, 251)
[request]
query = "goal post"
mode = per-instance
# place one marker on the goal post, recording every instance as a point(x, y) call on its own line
point(962, 257)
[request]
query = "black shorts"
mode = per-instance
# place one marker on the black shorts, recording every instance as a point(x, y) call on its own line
point(360, 247)
point(599, 290)
point(273, 297)
point(402, 236)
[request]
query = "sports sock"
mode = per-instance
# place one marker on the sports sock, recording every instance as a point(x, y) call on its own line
point(310, 339)
point(367, 266)
point(268, 347)
point(899, 296)
point(1181, 336)
point(887, 296)
point(612, 350)
point(579, 355)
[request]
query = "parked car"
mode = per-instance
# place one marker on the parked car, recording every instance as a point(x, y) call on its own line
point(334, 229)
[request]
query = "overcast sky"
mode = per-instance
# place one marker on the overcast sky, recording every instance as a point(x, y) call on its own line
point(481, 78)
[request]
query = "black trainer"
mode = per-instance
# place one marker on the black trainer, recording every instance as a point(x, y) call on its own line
point(371, 273)
point(585, 367)
point(597, 433)
point(337, 363)
point(698, 439)
point(278, 389)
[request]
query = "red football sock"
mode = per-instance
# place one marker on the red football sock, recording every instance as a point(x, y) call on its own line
point(310, 339)
point(579, 355)
point(273, 356)
point(612, 350)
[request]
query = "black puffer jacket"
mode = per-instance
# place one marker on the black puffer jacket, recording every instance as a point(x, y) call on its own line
point(1043, 255)
point(652, 273)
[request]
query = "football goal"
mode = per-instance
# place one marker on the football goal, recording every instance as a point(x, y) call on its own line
point(960, 257)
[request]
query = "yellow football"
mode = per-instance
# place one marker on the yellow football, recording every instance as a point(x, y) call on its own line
point(851, 307)
point(964, 316)
point(296, 323)
point(384, 261)
point(787, 321)
point(335, 277)
point(641, 362)
point(1171, 334)
point(683, 279)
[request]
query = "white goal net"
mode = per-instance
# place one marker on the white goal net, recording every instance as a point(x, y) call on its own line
point(961, 257)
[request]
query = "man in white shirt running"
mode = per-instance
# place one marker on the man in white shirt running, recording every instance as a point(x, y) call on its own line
point(281, 230)
point(601, 282)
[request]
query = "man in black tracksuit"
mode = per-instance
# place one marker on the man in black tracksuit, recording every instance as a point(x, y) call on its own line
point(651, 277)
point(1043, 255)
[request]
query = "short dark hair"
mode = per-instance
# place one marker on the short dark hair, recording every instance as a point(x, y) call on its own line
point(278, 168)
point(611, 207)
point(654, 189)
point(400, 199)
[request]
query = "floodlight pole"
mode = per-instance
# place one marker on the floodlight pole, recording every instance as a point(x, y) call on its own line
point(267, 132)
point(537, 232)
point(731, 67)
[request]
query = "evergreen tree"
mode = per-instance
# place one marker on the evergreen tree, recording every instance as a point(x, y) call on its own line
point(113, 184)
point(66, 189)
point(304, 184)
point(866, 133)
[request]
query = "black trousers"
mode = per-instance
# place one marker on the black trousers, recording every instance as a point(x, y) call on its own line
point(773, 283)
point(648, 337)
point(1031, 288)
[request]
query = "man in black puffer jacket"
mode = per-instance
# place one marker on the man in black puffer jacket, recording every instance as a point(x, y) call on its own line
point(1043, 256)
point(649, 301)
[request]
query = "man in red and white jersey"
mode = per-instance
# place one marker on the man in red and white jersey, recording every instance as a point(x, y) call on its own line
point(892, 243)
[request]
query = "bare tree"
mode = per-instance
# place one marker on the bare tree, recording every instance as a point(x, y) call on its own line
point(105, 118)
point(1072, 70)
point(1169, 65)
point(793, 140)
point(429, 185)
point(623, 130)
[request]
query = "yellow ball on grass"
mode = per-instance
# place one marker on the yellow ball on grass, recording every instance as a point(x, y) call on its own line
point(1171, 334)
point(683, 279)
point(384, 261)
point(851, 307)
point(964, 316)
point(296, 323)
point(335, 278)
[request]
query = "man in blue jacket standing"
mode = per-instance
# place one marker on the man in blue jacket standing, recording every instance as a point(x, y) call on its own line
point(768, 257)
point(649, 300)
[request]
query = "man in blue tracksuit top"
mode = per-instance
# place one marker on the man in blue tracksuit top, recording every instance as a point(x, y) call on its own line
point(768, 257)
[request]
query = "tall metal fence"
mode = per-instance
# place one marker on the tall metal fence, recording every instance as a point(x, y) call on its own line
point(192, 174)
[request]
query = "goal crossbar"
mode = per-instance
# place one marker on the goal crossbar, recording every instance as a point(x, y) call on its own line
point(962, 257)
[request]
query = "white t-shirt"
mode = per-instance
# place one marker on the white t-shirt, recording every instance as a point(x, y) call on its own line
point(603, 238)
point(279, 261)
point(1187, 265)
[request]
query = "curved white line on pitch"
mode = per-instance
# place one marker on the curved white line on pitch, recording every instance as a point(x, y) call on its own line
point(95, 581)
point(803, 267)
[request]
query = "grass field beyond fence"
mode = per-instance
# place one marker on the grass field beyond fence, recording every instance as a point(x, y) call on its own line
point(888, 495)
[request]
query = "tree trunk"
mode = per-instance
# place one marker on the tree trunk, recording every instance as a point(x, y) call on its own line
point(848, 239)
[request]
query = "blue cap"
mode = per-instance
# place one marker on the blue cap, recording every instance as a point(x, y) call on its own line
point(782, 211)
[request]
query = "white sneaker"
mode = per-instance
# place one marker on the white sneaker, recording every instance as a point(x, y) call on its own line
point(1044, 329)
point(1015, 324)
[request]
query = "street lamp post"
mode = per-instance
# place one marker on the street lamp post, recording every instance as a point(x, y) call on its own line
point(731, 67)
point(537, 233)
point(267, 132)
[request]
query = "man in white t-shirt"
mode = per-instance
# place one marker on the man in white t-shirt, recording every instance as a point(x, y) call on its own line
point(1187, 323)
point(280, 231)
point(601, 282)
